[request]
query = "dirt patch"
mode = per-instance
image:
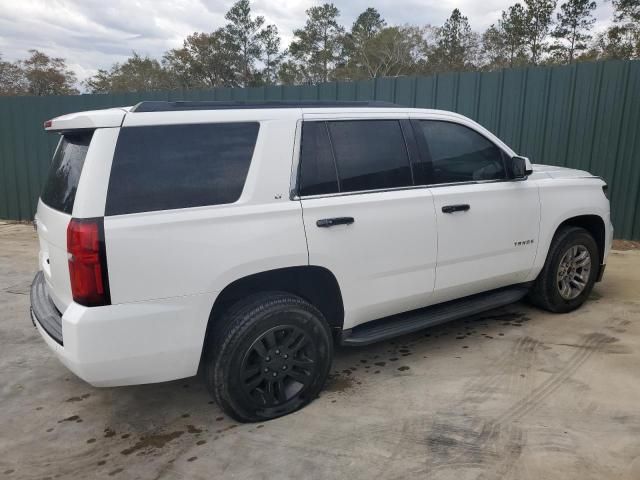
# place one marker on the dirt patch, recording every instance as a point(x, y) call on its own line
point(595, 295)
point(193, 429)
point(73, 418)
point(625, 245)
point(79, 398)
point(227, 428)
point(339, 383)
point(152, 442)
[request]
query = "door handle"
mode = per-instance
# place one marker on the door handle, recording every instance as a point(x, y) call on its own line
point(463, 207)
point(330, 222)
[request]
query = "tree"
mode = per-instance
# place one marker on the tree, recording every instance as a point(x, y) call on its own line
point(316, 48)
point(137, 74)
point(620, 42)
point(228, 56)
point(48, 76)
point(358, 45)
point(627, 11)
point(271, 54)
point(538, 23)
point(494, 48)
point(12, 79)
point(624, 36)
point(456, 46)
point(368, 24)
point(514, 25)
point(505, 43)
point(290, 73)
point(244, 36)
point(205, 60)
point(622, 39)
point(391, 52)
point(575, 19)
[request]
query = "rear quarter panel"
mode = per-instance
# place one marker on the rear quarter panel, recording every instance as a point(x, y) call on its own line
point(170, 253)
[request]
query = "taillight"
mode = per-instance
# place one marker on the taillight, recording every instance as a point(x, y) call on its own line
point(48, 124)
point(87, 262)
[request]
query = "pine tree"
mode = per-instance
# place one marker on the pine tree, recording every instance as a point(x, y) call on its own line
point(575, 20)
point(456, 46)
point(316, 48)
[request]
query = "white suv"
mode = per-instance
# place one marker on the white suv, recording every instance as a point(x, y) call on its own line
point(249, 238)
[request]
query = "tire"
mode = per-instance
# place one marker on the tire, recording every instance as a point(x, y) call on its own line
point(269, 356)
point(548, 291)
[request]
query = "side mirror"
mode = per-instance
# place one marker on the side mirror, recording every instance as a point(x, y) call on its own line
point(520, 167)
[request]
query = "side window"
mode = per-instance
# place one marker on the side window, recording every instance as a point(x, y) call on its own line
point(64, 174)
point(459, 154)
point(370, 154)
point(317, 169)
point(179, 166)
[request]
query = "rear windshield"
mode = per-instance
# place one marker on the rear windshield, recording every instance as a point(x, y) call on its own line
point(179, 166)
point(64, 174)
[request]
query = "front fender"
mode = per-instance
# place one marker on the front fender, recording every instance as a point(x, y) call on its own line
point(564, 199)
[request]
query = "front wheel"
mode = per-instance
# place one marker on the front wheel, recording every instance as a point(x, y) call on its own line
point(270, 355)
point(569, 273)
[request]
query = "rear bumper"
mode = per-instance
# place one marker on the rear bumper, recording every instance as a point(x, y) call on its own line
point(43, 310)
point(134, 343)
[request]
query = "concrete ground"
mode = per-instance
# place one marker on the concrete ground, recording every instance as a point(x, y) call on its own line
point(514, 393)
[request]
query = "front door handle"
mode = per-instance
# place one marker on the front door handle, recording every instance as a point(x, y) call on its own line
point(463, 207)
point(330, 222)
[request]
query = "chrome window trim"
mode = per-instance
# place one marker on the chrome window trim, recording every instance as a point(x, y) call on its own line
point(413, 187)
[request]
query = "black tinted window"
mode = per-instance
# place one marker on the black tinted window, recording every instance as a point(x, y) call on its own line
point(370, 154)
point(64, 173)
point(317, 168)
point(459, 154)
point(179, 166)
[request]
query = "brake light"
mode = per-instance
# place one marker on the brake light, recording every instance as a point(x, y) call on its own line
point(48, 124)
point(87, 262)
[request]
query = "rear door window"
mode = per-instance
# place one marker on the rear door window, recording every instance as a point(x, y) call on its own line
point(60, 188)
point(370, 154)
point(179, 166)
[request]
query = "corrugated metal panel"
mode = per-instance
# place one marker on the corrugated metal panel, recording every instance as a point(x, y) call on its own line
point(583, 116)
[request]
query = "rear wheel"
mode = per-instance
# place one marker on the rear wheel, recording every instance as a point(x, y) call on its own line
point(569, 272)
point(270, 355)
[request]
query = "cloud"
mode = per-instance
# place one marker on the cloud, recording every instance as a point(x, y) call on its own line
point(93, 34)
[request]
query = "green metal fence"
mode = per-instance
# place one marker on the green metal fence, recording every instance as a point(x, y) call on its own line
point(583, 116)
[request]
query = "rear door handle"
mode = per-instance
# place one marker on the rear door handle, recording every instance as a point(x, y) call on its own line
point(330, 222)
point(463, 207)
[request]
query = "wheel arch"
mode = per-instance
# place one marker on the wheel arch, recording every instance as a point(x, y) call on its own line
point(591, 222)
point(594, 224)
point(315, 284)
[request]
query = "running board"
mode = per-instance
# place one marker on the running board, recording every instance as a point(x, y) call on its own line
point(415, 320)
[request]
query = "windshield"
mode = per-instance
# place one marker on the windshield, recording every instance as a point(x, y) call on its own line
point(64, 174)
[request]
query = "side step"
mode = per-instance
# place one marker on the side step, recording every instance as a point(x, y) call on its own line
point(415, 320)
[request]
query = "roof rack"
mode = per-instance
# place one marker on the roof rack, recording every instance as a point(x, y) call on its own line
point(162, 106)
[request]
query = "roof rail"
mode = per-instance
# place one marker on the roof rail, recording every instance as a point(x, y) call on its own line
point(162, 106)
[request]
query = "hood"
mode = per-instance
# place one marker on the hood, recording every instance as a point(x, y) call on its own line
point(560, 172)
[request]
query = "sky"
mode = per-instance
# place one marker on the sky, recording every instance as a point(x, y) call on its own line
point(93, 34)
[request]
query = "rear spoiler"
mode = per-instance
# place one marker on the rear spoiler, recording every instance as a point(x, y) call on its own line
point(92, 119)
